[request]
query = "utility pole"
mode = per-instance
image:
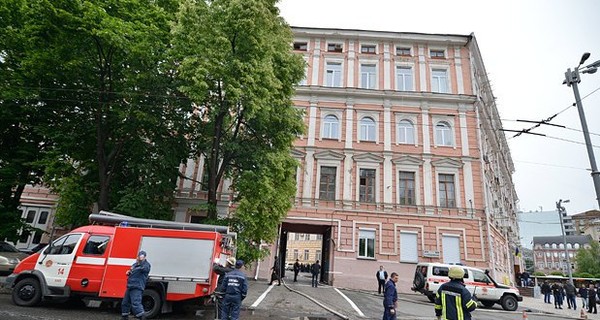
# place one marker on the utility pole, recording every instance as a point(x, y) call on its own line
point(572, 79)
point(561, 211)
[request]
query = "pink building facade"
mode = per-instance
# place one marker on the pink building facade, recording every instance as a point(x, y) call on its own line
point(402, 160)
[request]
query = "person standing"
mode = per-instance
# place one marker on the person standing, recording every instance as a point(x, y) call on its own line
point(137, 276)
point(571, 292)
point(381, 276)
point(315, 270)
point(235, 287)
point(583, 294)
point(390, 298)
point(546, 291)
point(453, 300)
point(275, 273)
point(592, 299)
point(296, 270)
point(221, 271)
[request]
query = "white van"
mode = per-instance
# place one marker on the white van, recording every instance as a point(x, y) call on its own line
point(430, 276)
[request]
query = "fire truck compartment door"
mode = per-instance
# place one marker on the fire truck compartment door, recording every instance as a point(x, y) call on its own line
point(55, 261)
point(171, 259)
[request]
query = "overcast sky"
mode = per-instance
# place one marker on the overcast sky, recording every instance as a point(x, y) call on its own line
point(526, 46)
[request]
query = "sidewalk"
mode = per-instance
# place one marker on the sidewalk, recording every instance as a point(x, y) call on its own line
point(538, 305)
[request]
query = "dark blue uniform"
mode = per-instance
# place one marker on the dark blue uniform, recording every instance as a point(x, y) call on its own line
point(390, 296)
point(454, 302)
point(136, 283)
point(235, 286)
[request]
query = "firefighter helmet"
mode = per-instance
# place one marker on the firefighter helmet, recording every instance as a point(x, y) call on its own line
point(456, 273)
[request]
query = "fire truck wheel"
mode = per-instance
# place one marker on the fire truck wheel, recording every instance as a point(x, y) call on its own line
point(152, 303)
point(27, 292)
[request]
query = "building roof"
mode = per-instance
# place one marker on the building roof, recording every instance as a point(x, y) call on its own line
point(581, 239)
point(587, 214)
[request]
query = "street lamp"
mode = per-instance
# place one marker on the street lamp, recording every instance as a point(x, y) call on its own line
point(561, 211)
point(572, 79)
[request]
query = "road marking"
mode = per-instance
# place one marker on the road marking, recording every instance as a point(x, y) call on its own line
point(262, 297)
point(351, 303)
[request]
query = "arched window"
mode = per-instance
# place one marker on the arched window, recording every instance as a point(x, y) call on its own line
point(367, 129)
point(443, 134)
point(554, 246)
point(561, 246)
point(331, 127)
point(556, 254)
point(548, 254)
point(569, 246)
point(576, 246)
point(547, 246)
point(406, 132)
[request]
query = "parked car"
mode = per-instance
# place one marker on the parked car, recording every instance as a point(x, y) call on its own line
point(34, 248)
point(430, 276)
point(9, 258)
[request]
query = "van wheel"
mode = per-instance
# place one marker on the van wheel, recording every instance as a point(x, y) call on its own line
point(509, 303)
point(419, 281)
point(487, 303)
point(152, 303)
point(27, 293)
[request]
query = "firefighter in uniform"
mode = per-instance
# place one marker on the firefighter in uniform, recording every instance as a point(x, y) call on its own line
point(221, 271)
point(137, 276)
point(453, 301)
point(235, 286)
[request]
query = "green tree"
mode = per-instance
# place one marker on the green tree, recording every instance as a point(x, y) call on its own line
point(21, 146)
point(97, 72)
point(234, 60)
point(588, 259)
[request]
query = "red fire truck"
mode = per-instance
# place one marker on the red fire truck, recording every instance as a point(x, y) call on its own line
point(90, 262)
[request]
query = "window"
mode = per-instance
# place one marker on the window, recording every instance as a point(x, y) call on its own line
point(30, 216)
point(443, 134)
point(547, 245)
point(63, 245)
point(479, 276)
point(24, 236)
point(446, 188)
point(408, 247)
point(576, 246)
point(300, 46)
point(407, 187)
point(561, 246)
point(319, 237)
point(367, 185)
point(318, 255)
point(548, 254)
point(554, 246)
point(306, 254)
point(406, 132)
point(366, 244)
point(37, 237)
point(451, 249)
point(437, 54)
point(404, 79)
point(297, 236)
point(367, 76)
point(334, 47)
point(333, 75)
point(43, 217)
point(196, 219)
point(295, 254)
point(367, 48)
point(327, 183)
point(367, 129)
point(331, 127)
point(96, 245)
point(439, 81)
point(402, 51)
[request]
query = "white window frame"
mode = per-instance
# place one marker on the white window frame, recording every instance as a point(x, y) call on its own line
point(331, 112)
point(445, 50)
point(341, 43)
point(457, 194)
point(369, 85)
point(370, 44)
point(373, 115)
point(366, 130)
point(448, 236)
point(398, 74)
point(450, 121)
point(409, 47)
point(370, 232)
point(404, 130)
point(403, 165)
point(365, 165)
point(441, 88)
point(341, 73)
point(413, 256)
point(413, 119)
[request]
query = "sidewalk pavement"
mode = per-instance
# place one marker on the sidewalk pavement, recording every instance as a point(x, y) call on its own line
point(538, 305)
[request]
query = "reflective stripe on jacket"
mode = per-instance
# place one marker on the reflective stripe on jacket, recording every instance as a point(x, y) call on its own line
point(454, 302)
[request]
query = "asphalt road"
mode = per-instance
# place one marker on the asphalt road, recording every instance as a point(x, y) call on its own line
point(289, 301)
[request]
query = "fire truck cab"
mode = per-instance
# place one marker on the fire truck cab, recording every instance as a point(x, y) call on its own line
point(91, 262)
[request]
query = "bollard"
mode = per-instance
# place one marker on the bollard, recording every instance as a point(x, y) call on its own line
point(525, 315)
